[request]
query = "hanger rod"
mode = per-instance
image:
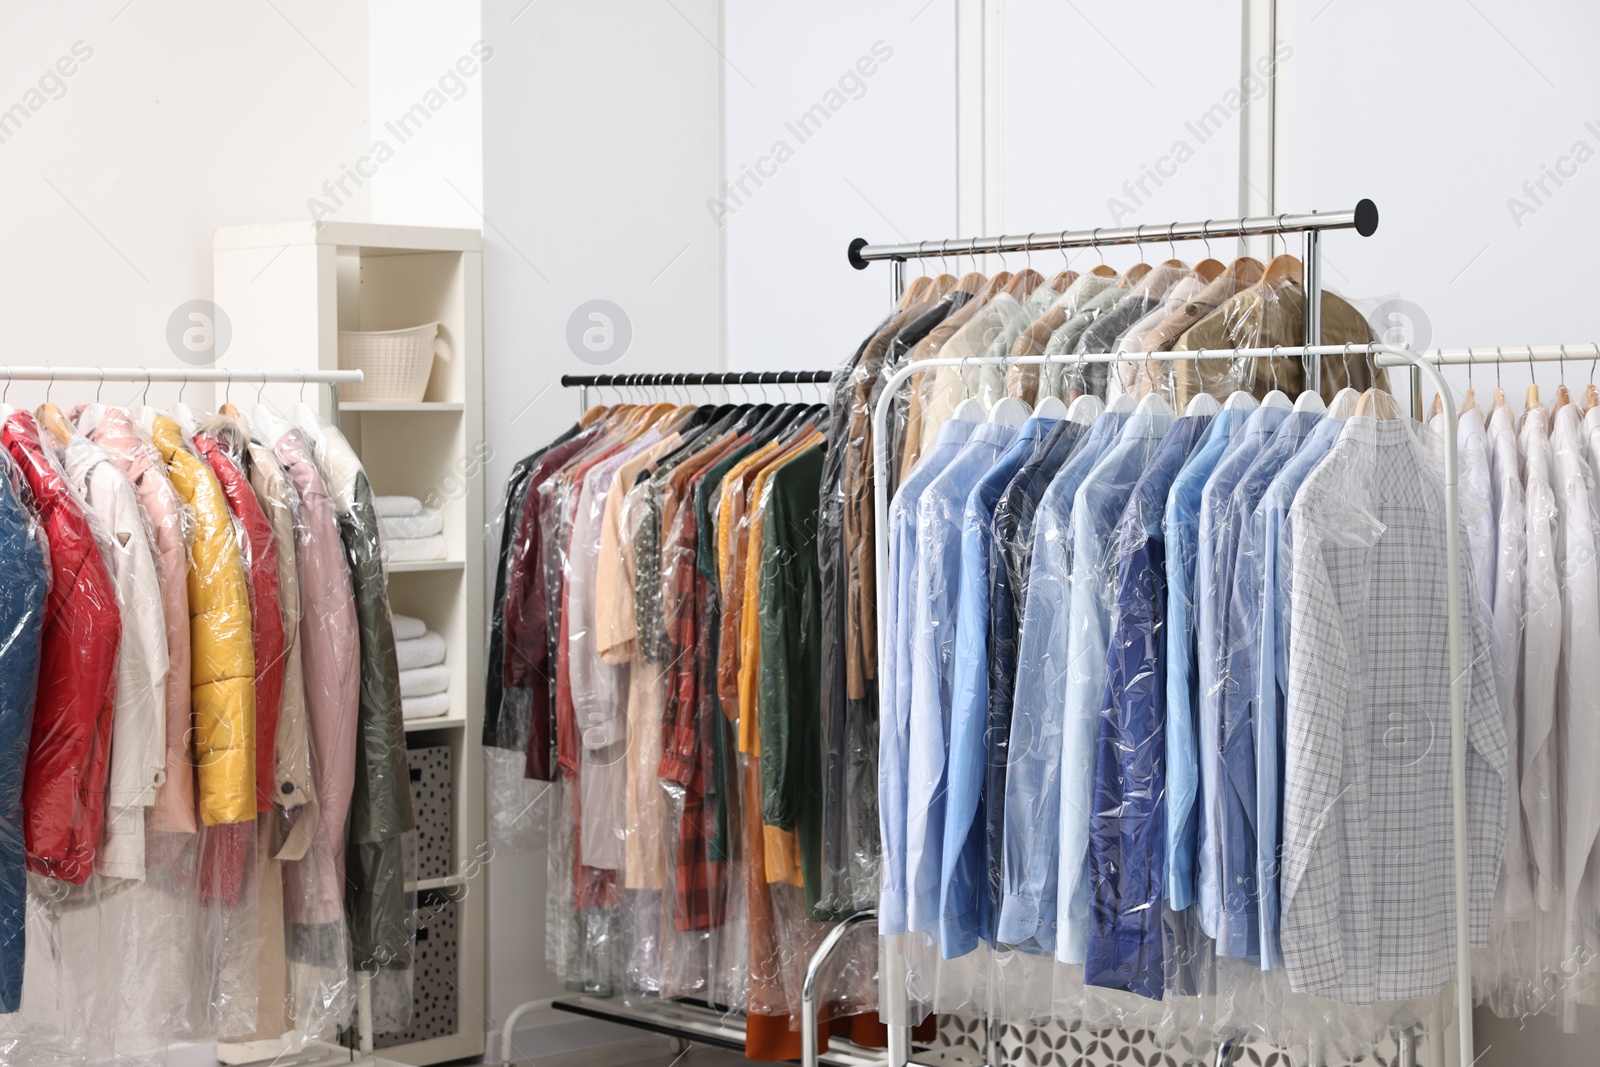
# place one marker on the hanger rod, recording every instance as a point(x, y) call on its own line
point(169, 374)
point(770, 377)
point(1504, 354)
point(1363, 218)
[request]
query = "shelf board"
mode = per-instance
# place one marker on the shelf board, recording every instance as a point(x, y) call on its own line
point(448, 721)
point(402, 566)
point(398, 405)
point(447, 882)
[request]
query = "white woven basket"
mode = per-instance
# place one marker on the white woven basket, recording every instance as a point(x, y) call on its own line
point(396, 363)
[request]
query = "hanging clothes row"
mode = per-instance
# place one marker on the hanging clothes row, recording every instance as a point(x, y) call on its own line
point(655, 655)
point(203, 766)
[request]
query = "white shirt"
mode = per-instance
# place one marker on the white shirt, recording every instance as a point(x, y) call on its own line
point(1541, 655)
point(138, 720)
point(1514, 901)
point(1578, 680)
point(1367, 881)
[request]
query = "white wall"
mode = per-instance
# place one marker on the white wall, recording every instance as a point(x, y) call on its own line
point(880, 165)
point(1452, 110)
point(601, 142)
point(184, 116)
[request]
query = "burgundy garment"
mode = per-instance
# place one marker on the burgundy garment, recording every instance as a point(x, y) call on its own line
point(527, 663)
point(266, 608)
point(69, 756)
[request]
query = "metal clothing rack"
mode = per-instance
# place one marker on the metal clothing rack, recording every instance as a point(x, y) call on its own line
point(683, 1021)
point(316, 1053)
point(1363, 218)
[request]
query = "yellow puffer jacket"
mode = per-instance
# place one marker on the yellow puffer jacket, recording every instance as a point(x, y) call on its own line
point(223, 672)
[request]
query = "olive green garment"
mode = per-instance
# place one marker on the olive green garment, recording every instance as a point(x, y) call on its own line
point(1257, 318)
point(380, 805)
point(788, 715)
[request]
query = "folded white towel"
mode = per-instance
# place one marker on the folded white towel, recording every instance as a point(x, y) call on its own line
point(424, 681)
point(408, 629)
point(423, 524)
point(410, 550)
point(422, 651)
point(397, 505)
point(424, 707)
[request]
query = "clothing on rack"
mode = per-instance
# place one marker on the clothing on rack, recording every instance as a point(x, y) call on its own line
point(170, 753)
point(660, 614)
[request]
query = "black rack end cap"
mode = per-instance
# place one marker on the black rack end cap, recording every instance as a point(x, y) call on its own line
point(855, 253)
point(1366, 218)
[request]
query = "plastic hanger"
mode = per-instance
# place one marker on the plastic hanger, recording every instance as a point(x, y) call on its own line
point(1085, 409)
point(1153, 403)
point(1009, 411)
point(1240, 400)
point(1122, 405)
point(1344, 403)
point(970, 410)
point(1310, 400)
point(1202, 404)
point(1051, 407)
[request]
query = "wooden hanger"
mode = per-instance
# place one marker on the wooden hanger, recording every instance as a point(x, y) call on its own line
point(1061, 281)
point(1024, 282)
point(52, 419)
point(1282, 269)
point(1247, 270)
point(1207, 270)
point(994, 285)
point(972, 282)
point(1591, 397)
point(1438, 406)
point(1176, 264)
point(1378, 404)
point(915, 291)
point(1532, 399)
point(230, 411)
point(1101, 270)
point(1562, 397)
point(1469, 402)
point(1133, 275)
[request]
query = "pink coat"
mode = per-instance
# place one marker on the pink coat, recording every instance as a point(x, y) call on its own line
point(116, 432)
point(331, 647)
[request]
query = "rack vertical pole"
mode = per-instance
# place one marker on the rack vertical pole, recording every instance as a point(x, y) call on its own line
point(897, 279)
point(1311, 263)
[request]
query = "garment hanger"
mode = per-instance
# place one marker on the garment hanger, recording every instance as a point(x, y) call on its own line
point(227, 400)
point(915, 290)
point(1344, 403)
point(1563, 397)
point(1438, 407)
point(1063, 281)
point(1378, 405)
point(1085, 409)
point(1009, 411)
point(1051, 407)
point(1310, 400)
point(1284, 268)
point(1239, 400)
point(1202, 404)
point(1499, 400)
point(1532, 399)
point(1152, 403)
point(1122, 405)
point(971, 409)
point(50, 415)
point(1208, 270)
point(1591, 396)
point(1134, 275)
point(1023, 283)
point(1277, 398)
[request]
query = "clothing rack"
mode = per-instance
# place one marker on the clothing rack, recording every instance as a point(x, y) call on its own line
point(315, 1053)
point(684, 1021)
point(583, 382)
point(1363, 218)
point(151, 375)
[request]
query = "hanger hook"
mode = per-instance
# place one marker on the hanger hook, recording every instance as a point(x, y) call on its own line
point(302, 386)
point(1172, 247)
point(1284, 241)
point(1273, 360)
point(227, 390)
point(1094, 241)
point(182, 385)
point(101, 387)
point(1028, 251)
point(1205, 235)
point(1499, 360)
point(5, 397)
point(50, 385)
point(1593, 362)
point(999, 251)
point(1530, 361)
point(261, 389)
point(144, 397)
point(972, 250)
point(1563, 366)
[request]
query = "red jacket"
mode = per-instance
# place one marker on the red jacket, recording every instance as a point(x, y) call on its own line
point(266, 614)
point(69, 757)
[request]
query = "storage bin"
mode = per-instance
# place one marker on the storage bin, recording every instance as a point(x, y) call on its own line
point(435, 1009)
point(397, 363)
point(432, 784)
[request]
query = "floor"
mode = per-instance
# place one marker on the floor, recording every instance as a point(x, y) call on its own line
point(650, 1052)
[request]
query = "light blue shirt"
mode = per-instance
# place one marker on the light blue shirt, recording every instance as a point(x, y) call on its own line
point(1033, 770)
point(892, 752)
point(1181, 528)
point(964, 882)
point(1267, 532)
point(932, 654)
point(1227, 912)
point(1096, 509)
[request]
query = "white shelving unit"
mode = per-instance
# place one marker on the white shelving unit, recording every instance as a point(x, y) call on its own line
point(288, 289)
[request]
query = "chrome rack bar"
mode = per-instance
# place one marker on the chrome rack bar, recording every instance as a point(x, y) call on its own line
point(169, 374)
point(1363, 218)
point(733, 377)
